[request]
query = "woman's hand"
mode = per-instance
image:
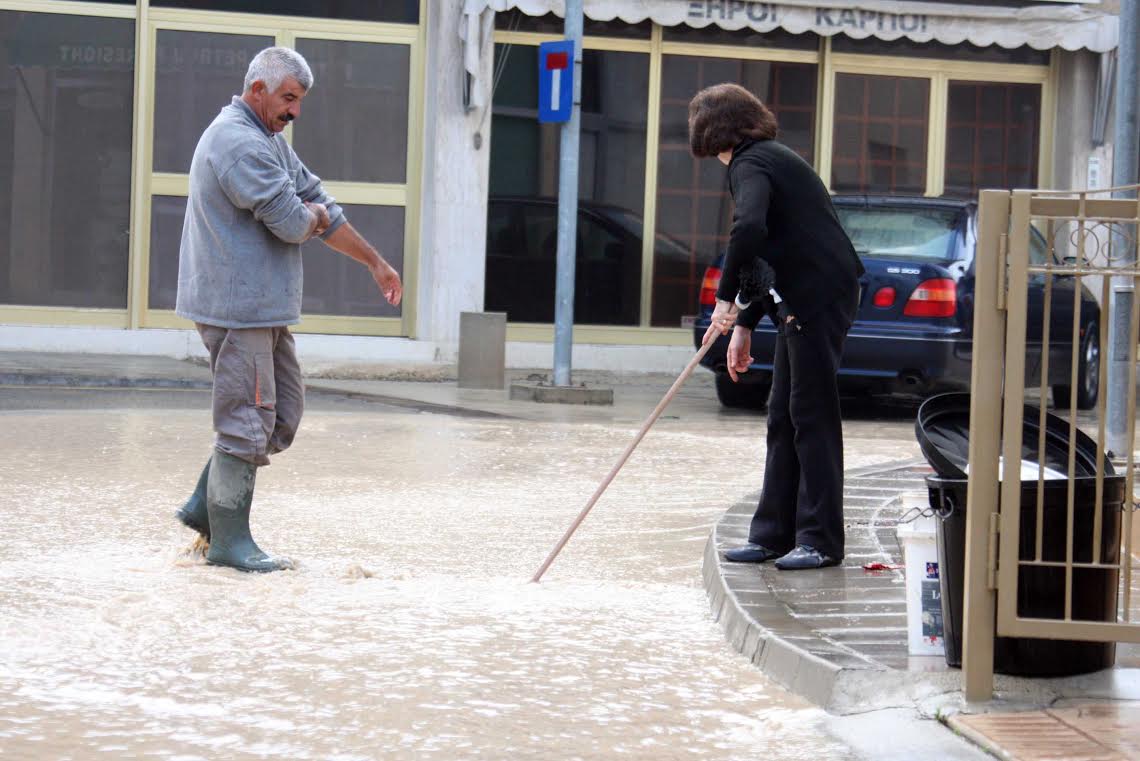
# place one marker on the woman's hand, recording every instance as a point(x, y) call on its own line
point(723, 317)
point(739, 352)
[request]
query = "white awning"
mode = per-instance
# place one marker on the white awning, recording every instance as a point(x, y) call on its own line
point(1071, 26)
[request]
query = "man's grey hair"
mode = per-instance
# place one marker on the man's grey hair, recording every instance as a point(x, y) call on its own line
point(274, 65)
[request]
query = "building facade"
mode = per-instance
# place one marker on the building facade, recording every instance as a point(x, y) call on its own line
point(422, 123)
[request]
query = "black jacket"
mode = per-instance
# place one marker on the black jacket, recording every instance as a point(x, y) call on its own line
point(784, 216)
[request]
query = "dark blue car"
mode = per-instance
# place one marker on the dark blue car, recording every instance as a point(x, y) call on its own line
point(914, 328)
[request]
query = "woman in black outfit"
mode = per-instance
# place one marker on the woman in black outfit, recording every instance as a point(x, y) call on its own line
point(784, 217)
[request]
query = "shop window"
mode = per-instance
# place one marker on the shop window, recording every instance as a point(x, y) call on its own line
point(694, 210)
point(515, 20)
point(964, 51)
point(166, 216)
point(334, 283)
point(338, 285)
point(66, 103)
point(992, 133)
point(611, 187)
point(397, 11)
point(196, 75)
point(879, 139)
point(354, 124)
point(714, 35)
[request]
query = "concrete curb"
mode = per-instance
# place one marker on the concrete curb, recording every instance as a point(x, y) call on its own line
point(790, 652)
point(98, 381)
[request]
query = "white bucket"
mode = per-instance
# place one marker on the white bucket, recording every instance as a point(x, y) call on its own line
point(923, 593)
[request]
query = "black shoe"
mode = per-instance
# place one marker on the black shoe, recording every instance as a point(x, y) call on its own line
point(751, 553)
point(804, 557)
point(194, 514)
point(229, 494)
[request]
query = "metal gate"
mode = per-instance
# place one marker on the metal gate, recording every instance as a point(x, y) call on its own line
point(1038, 335)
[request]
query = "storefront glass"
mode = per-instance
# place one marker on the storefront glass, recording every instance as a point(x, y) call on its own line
point(879, 143)
point(406, 11)
point(338, 285)
point(992, 134)
point(354, 123)
point(522, 229)
point(166, 216)
point(196, 75)
point(694, 210)
point(66, 103)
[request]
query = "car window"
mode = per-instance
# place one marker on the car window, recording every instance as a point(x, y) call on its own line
point(1038, 248)
point(503, 229)
point(595, 241)
point(901, 233)
point(663, 245)
point(540, 228)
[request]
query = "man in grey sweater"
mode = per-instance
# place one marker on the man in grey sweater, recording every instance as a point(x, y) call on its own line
point(252, 203)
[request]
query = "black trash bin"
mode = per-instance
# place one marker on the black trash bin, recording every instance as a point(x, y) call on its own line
point(942, 428)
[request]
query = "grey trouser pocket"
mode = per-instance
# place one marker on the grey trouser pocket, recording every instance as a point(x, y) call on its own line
point(258, 394)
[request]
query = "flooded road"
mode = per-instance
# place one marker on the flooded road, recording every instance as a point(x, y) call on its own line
point(409, 629)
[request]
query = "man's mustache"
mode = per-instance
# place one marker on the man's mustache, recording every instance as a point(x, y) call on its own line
point(288, 117)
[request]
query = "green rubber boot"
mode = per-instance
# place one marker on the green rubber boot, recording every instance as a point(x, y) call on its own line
point(229, 494)
point(194, 514)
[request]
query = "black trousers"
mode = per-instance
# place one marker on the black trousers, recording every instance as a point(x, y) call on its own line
point(802, 498)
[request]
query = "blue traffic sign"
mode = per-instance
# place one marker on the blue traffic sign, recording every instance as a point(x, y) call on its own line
point(555, 81)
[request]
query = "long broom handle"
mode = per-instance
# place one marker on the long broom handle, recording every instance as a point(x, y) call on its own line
point(625, 456)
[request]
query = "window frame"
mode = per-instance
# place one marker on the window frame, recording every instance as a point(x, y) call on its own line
point(285, 30)
point(99, 317)
point(939, 72)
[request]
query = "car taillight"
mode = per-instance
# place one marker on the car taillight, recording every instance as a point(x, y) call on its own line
point(933, 298)
point(884, 297)
point(709, 286)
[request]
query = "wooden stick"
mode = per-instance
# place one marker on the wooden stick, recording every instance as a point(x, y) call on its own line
point(625, 456)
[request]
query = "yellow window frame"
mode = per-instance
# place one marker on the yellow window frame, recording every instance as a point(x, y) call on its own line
point(285, 30)
point(940, 72)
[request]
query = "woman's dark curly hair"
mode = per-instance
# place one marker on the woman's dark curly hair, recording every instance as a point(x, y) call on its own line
point(723, 115)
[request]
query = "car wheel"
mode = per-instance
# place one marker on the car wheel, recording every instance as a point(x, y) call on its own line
point(1088, 374)
point(751, 393)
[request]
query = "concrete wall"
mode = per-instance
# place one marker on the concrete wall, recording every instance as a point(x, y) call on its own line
point(457, 151)
point(1072, 139)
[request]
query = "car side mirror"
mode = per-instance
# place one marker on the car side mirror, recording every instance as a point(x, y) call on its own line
point(1072, 261)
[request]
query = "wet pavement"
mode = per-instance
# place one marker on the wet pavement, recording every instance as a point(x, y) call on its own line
point(409, 629)
point(416, 511)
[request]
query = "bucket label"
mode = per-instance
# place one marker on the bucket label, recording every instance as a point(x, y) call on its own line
point(932, 607)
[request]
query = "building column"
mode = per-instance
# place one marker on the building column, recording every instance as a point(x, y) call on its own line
point(456, 166)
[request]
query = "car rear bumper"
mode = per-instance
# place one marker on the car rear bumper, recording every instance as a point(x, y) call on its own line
point(896, 355)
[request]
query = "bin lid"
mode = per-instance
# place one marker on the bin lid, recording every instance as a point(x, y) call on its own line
point(942, 428)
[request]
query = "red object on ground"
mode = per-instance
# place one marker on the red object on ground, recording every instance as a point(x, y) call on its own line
point(877, 566)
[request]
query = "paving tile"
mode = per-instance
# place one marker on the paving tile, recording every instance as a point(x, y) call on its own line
point(1033, 736)
point(1114, 725)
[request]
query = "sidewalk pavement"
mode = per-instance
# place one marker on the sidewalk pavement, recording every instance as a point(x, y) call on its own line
point(836, 637)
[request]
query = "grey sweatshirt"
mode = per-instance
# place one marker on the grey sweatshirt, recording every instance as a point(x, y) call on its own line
point(239, 265)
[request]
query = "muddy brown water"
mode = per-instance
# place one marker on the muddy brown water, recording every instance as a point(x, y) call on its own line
point(409, 629)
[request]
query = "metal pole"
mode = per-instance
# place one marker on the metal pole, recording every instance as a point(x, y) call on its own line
point(568, 209)
point(1126, 141)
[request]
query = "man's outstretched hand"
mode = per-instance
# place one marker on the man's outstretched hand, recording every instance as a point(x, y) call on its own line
point(388, 281)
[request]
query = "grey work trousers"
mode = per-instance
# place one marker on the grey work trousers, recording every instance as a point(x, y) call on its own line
point(259, 396)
